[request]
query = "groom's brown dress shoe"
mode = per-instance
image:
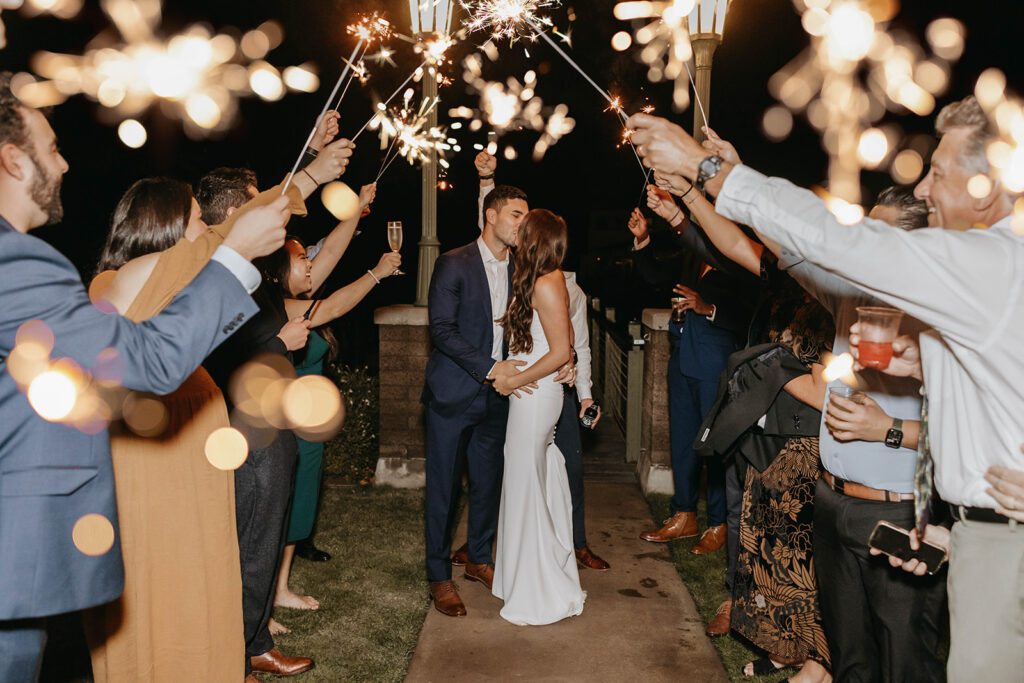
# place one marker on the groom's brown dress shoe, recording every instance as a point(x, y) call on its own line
point(461, 556)
point(484, 573)
point(589, 560)
point(274, 662)
point(719, 626)
point(679, 525)
point(713, 538)
point(446, 598)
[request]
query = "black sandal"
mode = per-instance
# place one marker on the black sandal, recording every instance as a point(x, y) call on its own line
point(765, 666)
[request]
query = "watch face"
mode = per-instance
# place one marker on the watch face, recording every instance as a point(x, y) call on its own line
point(710, 166)
point(894, 439)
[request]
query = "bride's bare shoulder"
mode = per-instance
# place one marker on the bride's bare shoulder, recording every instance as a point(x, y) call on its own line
point(550, 289)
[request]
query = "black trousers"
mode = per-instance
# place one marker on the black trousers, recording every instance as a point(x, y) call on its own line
point(882, 623)
point(567, 439)
point(734, 482)
point(263, 493)
point(476, 440)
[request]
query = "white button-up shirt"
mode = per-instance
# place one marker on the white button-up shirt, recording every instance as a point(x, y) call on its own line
point(581, 336)
point(968, 286)
point(497, 283)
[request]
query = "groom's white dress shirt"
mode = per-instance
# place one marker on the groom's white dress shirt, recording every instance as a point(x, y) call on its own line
point(497, 283)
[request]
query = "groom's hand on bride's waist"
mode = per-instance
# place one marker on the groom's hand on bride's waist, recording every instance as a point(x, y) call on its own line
point(504, 378)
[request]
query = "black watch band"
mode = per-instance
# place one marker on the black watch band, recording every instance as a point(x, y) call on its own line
point(487, 177)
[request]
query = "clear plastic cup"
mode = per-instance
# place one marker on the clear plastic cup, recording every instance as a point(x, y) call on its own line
point(678, 314)
point(878, 328)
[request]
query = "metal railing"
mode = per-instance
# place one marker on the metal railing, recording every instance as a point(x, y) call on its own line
point(618, 372)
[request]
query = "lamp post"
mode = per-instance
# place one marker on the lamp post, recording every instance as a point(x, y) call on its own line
point(707, 22)
point(429, 19)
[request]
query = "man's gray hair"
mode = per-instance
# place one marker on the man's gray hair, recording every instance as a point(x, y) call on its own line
point(967, 113)
point(913, 211)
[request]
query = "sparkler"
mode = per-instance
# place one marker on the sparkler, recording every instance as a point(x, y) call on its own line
point(383, 106)
point(853, 72)
point(196, 74)
point(411, 136)
point(511, 106)
point(666, 41)
point(507, 18)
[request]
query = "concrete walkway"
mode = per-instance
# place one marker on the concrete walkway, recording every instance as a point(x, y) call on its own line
point(639, 622)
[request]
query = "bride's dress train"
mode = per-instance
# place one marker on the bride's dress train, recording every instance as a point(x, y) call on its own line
point(535, 569)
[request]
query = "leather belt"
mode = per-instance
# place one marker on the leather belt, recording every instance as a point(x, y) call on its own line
point(961, 514)
point(854, 490)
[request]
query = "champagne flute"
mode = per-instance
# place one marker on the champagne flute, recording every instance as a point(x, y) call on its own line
point(395, 240)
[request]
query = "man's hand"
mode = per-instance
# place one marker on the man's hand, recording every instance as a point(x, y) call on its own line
point(486, 164)
point(856, 420)
point(367, 193)
point(331, 161)
point(566, 374)
point(504, 378)
point(387, 265)
point(906, 355)
point(720, 147)
point(665, 146)
point(260, 231)
point(586, 403)
point(638, 225)
point(693, 300)
point(936, 535)
point(660, 202)
point(295, 333)
point(326, 130)
point(1008, 490)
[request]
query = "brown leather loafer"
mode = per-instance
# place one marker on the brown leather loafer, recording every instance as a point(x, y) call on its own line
point(719, 626)
point(446, 598)
point(484, 573)
point(712, 539)
point(461, 556)
point(273, 662)
point(679, 525)
point(589, 560)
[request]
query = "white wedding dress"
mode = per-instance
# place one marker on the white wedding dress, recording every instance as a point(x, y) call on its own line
point(535, 567)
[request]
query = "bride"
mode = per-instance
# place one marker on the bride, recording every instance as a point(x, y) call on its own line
point(535, 569)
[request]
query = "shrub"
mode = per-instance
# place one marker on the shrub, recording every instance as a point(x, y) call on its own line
point(353, 453)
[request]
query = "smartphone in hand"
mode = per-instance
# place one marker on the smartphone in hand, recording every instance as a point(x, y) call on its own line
point(895, 541)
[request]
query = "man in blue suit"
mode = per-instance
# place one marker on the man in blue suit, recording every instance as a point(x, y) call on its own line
point(717, 312)
point(465, 419)
point(51, 474)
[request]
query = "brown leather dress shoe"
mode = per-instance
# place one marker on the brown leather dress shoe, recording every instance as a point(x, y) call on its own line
point(589, 560)
point(446, 598)
point(461, 556)
point(274, 662)
point(679, 525)
point(719, 626)
point(712, 539)
point(484, 573)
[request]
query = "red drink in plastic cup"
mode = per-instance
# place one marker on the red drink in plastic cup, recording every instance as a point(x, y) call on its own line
point(875, 354)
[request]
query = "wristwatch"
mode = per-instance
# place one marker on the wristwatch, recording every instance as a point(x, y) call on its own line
point(706, 170)
point(894, 438)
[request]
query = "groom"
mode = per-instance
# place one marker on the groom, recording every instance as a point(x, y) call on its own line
point(465, 419)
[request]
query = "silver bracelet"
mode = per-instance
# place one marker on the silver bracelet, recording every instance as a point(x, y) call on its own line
point(370, 272)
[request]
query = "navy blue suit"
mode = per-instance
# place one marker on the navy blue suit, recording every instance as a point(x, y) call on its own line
point(700, 352)
point(465, 418)
point(52, 474)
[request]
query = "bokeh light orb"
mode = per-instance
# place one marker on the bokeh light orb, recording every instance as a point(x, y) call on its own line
point(340, 200)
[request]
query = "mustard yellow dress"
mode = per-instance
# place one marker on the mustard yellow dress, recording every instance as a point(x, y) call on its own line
point(180, 616)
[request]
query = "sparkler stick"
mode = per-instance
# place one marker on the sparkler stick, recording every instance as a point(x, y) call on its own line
point(387, 161)
point(323, 112)
point(352, 77)
point(567, 58)
point(388, 100)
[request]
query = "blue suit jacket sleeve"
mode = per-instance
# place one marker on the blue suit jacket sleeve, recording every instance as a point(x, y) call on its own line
point(443, 303)
point(156, 355)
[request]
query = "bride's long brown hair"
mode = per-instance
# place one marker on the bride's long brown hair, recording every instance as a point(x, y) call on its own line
point(542, 245)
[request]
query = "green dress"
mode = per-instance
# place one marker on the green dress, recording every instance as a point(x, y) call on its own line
point(311, 455)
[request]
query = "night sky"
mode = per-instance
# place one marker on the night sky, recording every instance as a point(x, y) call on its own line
point(584, 177)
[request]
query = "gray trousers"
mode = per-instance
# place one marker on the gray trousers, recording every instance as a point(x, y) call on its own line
point(986, 603)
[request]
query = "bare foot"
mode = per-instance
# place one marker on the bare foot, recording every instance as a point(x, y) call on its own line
point(277, 628)
point(812, 672)
point(748, 669)
point(289, 599)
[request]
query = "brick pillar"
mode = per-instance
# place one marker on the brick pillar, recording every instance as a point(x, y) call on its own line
point(404, 349)
point(654, 468)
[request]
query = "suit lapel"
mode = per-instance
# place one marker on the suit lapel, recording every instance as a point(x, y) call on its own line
point(478, 277)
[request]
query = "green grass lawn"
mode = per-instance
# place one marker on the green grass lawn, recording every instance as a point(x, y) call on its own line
point(704, 576)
